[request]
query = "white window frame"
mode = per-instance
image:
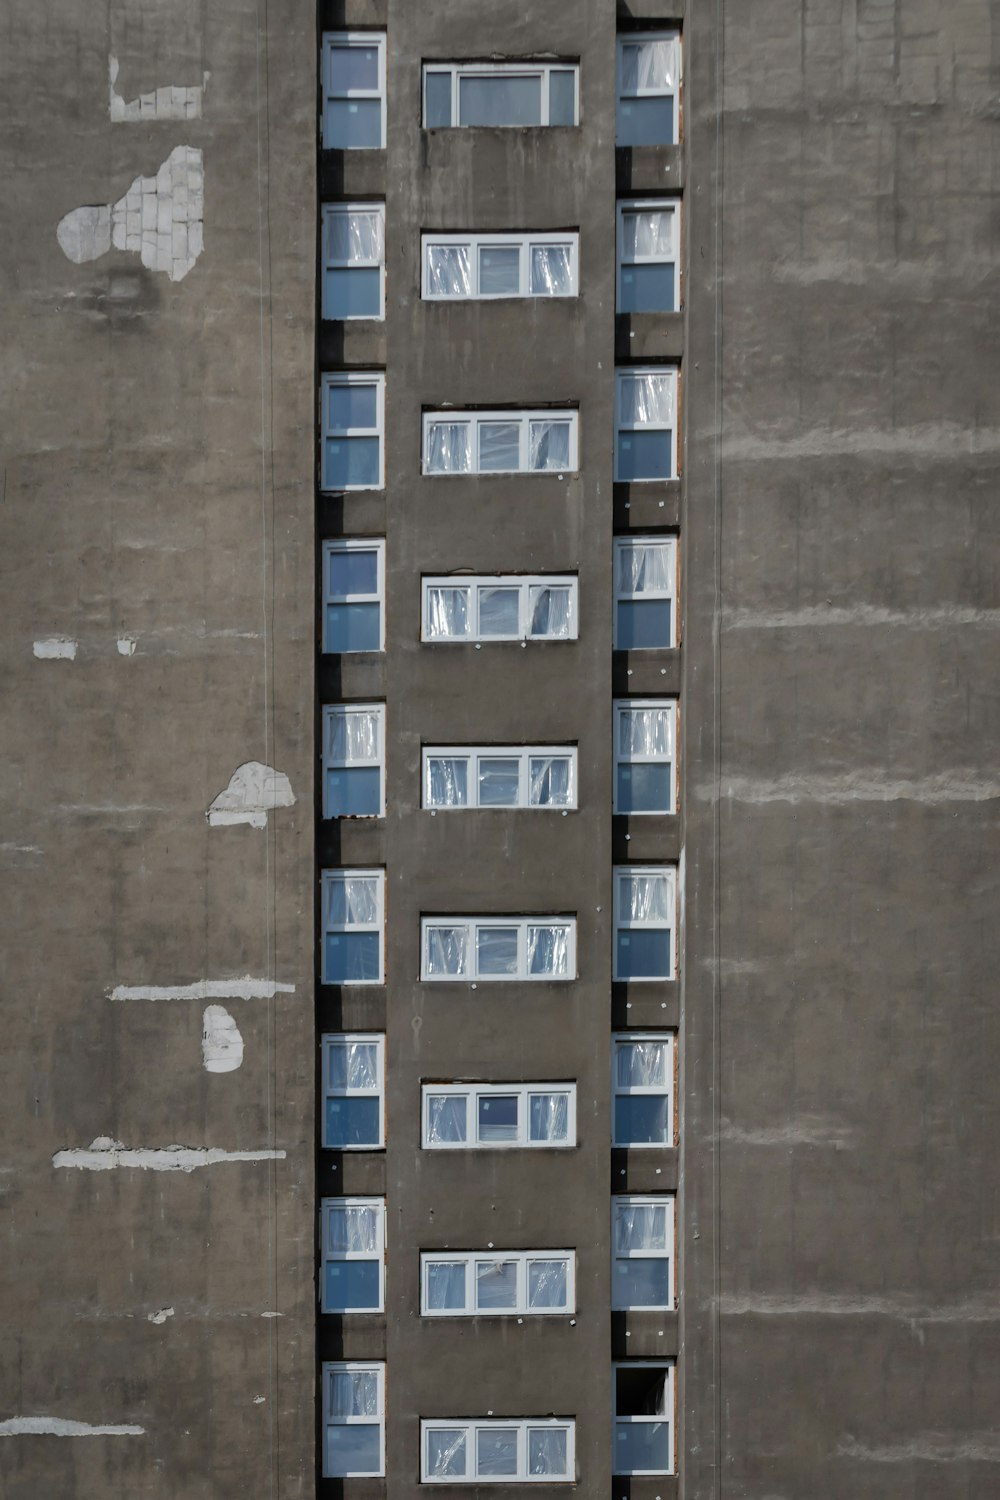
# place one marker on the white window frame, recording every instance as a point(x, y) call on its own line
point(355, 544)
point(331, 713)
point(473, 1092)
point(630, 38)
point(522, 1259)
point(475, 925)
point(622, 706)
point(669, 1416)
point(332, 39)
point(330, 263)
point(625, 372)
point(349, 1365)
point(329, 1205)
point(668, 1038)
point(353, 377)
point(622, 924)
point(523, 754)
point(667, 1201)
point(473, 1426)
point(526, 583)
point(328, 1040)
point(671, 593)
point(329, 878)
point(525, 69)
point(523, 417)
point(648, 205)
point(525, 242)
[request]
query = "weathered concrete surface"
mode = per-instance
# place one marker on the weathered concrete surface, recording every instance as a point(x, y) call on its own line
point(840, 1306)
point(157, 509)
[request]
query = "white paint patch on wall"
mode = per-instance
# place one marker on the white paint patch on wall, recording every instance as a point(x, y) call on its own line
point(104, 1154)
point(126, 645)
point(161, 1316)
point(243, 988)
point(60, 1427)
point(55, 648)
point(161, 218)
point(253, 790)
point(169, 103)
point(221, 1042)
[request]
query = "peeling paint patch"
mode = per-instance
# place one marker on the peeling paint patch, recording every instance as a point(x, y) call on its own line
point(60, 1427)
point(930, 1447)
point(126, 645)
point(161, 1316)
point(259, 1400)
point(901, 1306)
point(169, 103)
point(806, 1132)
point(253, 790)
point(161, 218)
point(243, 988)
point(960, 785)
point(935, 440)
point(272, 1315)
point(221, 1042)
point(104, 1154)
point(20, 849)
point(863, 616)
point(55, 648)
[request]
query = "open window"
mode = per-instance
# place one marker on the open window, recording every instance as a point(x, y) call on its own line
point(643, 1418)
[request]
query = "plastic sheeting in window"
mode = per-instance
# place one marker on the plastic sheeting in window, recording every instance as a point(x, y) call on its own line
point(447, 782)
point(499, 447)
point(352, 1229)
point(352, 901)
point(449, 272)
point(446, 1118)
point(642, 1065)
point(548, 950)
point(550, 781)
point(353, 735)
point(447, 950)
point(551, 271)
point(353, 1065)
point(548, 1117)
point(496, 1451)
point(449, 448)
point(446, 1452)
point(546, 1451)
point(640, 1226)
point(448, 616)
point(646, 400)
point(643, 898)
point(353, 1393)
point(648, 235)
point(644, 732)
point(446, 1286)
point(496, 1285)
point(547, 1283)
point(552, 612)
point(649, 67)
point(645, 567)
point(549, 445)
point(355, 238)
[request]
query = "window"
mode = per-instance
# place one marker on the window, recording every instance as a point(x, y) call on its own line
point(353, 424)
point(470, 1116)
point(643, 1089)
point(499, 609)
point(463, 266)
point(645, 922)
point(644, 1418)
point(352, 1244)
point(645, 590)
point(493, 949)
point(353, 927)
point(508, 1450)
point(354, 260)
point(497, 1283)
point(353, 596)
point(645, 767)
point(500, 442)
point(354, 761)
point(642, 1239)
point(353, 1419)
point(512, 94)
point(353, 90)
point(353, 1091)
point(500, 776)
point(645, 425)
point(648, 262)
point(648, 86)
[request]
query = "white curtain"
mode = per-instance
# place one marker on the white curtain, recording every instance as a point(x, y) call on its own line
point(549, 444)
point(643, 898)
point(648, 235)
point(646, 400)
point(642, 1065)
point(352, 901)
point(353, 736)
point(449, 448)
point(353, 1393)
point(644, 567)
point(547, 1451)
point(355, 238)
point(448, 273)
point(644, 732)
point(447, 614)
point(447, 950)
point(446, 1451)
point(548, 1117)
point(548, 950)
point(447, 782)
point(352, 1230)
point(551, 271)
point(640, 1226)
point(446, 1285)
point(649, 67)
point(446, 1118)
point(354, 1065)
point(550, 781)
point(547, 1283)
point(552, 612)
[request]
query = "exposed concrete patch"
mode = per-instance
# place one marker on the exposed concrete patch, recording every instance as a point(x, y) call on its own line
point(60, 1427)
point(103, 1154)
point(930, 1447)
point(161, 1316)
point(934, 440)
point(243, 988)
point(259, 1400)
point(804, 1132)
point(126, 645)
point(960, 785)
point(272, 1315)
point(169, 103)
point(253, 790)
point(221, 1042)
point(864, 616)
point(20, 849)
point(901, 1306)
point(55, 648)
point(160, 218)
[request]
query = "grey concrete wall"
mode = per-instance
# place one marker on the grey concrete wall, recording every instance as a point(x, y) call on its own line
point(840, 1318)
point(157, 488)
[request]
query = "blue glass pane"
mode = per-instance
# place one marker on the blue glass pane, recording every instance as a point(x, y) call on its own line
point(644, 954)
point(354, 792)
point(352, 67)
point(643, 624)
point(646, 122)
point(353, 125)
point(641, 1448)
point(352, 1122)
point(645, 455)
point(641, 1283)
point(351, 462)
point(353, 405)
point(498, 1118)
point(353, 292)
point(353, 572)
point(354, 1448)
point(643, 789)
point(647, 288)
point(351, 1286)
point(353, 627)
point(641, 1119)
point(437, 93)
point(500, 100)
point(352, 958)
point(562, 99)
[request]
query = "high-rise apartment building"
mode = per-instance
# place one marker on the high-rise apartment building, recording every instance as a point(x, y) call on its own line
point(499, 516)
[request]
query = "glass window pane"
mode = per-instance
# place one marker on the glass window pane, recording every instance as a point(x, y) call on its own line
point(643, 624)
point(641, 1120)
point(499, 271)
point(354, 1448)
point(353, 627)
point(496, 1451)
point(648, 288)
point(551, 271)
point(648, 232)
point(496, 950)
point(551, 612)
point(446, 1118)
point(550, 781)
point(498, 782)
point(548, 1117)
point(352, 958)
point(353, 1228)
point(499, 100)
point(643, 954)
point(448, 616)
point(353, 1393)
point(499, 447)
point(355, 236)
point(641, 1448)
point(548, 951)
point(646, 122)
point(447, 782)
point(353, 125)
point(352, 406)
point(352, 900)
point(496, 1284)
point(562, 98)
point(644, 789)
point(446, 1452)
point(498, 611)
point(353, 1121)
point(449, 448)
point(437, 92)
point(547, 1451)
point(547, 1283)
point(352, 67)
point(446, 1286)
point(645, 455)
point(642, 1065)
point(641, 1283)
point(446, 951)
point(351, 462)
point(351, 1286)
point(448, 271)
point(640, 1226)
point(353, 1065)
point(352, 572)
point(497, 1117)
point(353, 292)
point(549, 444)
point(354, 792)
